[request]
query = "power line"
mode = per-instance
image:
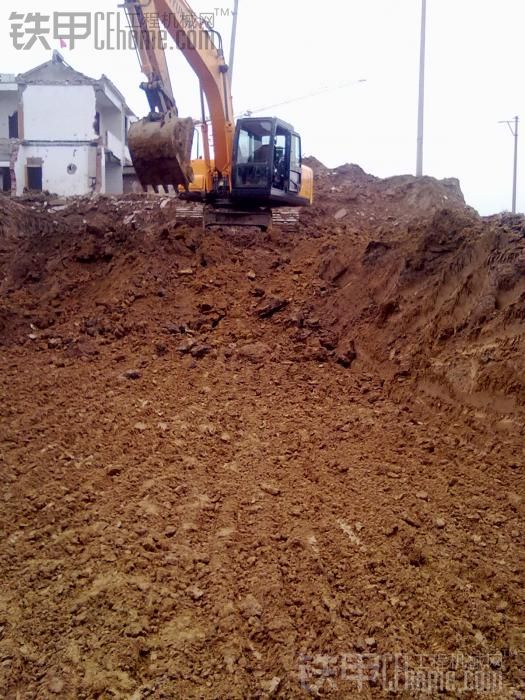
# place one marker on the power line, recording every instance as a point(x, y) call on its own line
point(314, 93)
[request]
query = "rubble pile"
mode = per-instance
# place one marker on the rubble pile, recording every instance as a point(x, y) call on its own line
point(229, 455)
point(399, 271)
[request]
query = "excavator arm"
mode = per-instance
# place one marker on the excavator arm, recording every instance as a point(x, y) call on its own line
point(148, 41)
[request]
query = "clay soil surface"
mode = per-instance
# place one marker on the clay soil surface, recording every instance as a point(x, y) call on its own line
point(246, 465)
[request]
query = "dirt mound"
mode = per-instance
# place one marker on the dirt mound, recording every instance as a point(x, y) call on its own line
point(443, 301)
point(348, 196)
point(434, 295)
point(236, 462)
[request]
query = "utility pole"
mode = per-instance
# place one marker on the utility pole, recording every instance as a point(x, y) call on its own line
point(233, 37)
point(514, 132)
point(421, 105)
point(515, 172)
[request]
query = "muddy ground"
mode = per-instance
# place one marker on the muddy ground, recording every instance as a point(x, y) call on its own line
point(243, 465)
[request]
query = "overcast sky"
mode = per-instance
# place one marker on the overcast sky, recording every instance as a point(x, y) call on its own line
point(286, 50)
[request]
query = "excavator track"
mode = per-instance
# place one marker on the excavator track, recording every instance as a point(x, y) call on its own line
point(285, 218)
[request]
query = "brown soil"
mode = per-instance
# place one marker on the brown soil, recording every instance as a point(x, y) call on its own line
point(234, 462)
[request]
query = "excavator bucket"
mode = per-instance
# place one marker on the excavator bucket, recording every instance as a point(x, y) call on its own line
point(161, 151)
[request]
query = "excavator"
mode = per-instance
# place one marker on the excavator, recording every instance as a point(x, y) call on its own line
point(257, 163)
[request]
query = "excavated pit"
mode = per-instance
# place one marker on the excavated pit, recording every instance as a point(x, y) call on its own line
point(228, 456)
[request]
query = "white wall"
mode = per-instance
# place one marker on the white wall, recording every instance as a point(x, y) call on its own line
point(114, 181)
point(115, 145)
point(8, 105)
point(102, 171)
point(112, 121)
point(112, 96)
point(112, 132)
point(55, 177)
point(59, 112)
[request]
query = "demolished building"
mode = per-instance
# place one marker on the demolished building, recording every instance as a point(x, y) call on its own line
point(62, 131)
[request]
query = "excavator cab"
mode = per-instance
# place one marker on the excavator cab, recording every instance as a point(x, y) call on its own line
point(266, 168)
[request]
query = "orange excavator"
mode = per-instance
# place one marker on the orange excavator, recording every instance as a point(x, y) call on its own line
point(256, 164)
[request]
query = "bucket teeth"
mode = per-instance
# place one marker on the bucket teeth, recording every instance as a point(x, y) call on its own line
point(161, 151)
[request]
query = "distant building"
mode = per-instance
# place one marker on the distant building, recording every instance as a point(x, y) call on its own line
point(62, 132)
